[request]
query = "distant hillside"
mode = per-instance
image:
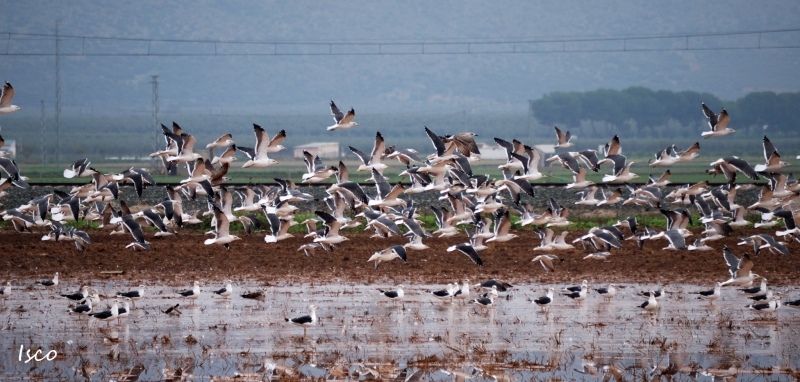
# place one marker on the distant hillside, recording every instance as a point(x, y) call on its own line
point(639, 112)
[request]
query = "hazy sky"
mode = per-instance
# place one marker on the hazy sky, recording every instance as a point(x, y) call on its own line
point(381, 84)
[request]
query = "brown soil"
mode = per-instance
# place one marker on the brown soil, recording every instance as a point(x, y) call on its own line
point(24, 256)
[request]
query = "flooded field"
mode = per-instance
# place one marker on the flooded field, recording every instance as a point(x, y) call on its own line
point(363, 336)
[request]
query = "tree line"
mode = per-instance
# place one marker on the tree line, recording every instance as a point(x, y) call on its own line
point(642, 112)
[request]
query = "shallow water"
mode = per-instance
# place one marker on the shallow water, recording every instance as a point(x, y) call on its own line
point(362, 335)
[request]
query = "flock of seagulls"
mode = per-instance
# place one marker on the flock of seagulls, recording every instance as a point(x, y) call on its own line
point(476, 202)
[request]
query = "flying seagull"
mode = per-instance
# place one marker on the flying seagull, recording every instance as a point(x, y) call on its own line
point(388, 254)
point(717, 122)
point(5, 100)
point(563, 139)
point(547, 261)
point(343, 121)
point(258, 156)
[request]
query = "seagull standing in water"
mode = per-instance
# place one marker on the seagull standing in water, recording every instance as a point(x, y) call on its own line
point(757, 291)
point(305, 321)
point(50, 283)
point(392, 294)
point(446, 293)
point(578, 296)
point(710, 295)
point(487, 300)
point(135, 295)
point(651, 304)
point(108, 315)
point(5, 292)
point(607, 293)
point(463, 292)
point(546, 300)
point(192, 294)
point(226, 291)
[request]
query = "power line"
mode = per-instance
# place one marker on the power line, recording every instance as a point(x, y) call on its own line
point(205, 47)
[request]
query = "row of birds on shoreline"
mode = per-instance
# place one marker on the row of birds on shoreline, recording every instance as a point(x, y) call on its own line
point(763, 300)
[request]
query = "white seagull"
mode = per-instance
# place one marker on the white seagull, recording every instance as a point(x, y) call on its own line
point(546, 300)
point(393, 295)
point(373, 161)
point(80, 169)
point(305, 321)
point(5, 100)
point(388, 254)
point(221, 231)
point(226, 291)
point(607, 293)
point(343, 121)
point(258, 155)
point(225, 140)
point(192, 294)
point(717, 123)
point(563, 139)
point(710, 295)
point(651, 304)
point(739, 269)
point(547, 261)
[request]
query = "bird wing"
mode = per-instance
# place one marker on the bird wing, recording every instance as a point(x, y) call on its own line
point(743, 167)
point(712, 118)
point(504, 225)
point(337, 114)
point(466, 144)
point(470, 252)
point(7, 95)
point(349, 117)
point(278, 138)
point(364, 158)
point(377, 149)
point(262, 140)
point(308, 158)
point(506, 145)
point(562, 138)
point(222, 220)
point(188, 143)
point(731, 260)
point(745, 265)
point(438, 144)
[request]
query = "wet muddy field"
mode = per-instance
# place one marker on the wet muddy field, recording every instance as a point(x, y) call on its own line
point(362, 336)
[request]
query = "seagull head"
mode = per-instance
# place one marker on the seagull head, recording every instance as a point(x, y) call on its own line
point(356, 124)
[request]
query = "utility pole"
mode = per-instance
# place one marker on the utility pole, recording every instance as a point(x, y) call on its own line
point(58, 94)
point(156, 128)
point(44, 153)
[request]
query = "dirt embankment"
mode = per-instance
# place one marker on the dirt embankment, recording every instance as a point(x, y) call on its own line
point(24, 257)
